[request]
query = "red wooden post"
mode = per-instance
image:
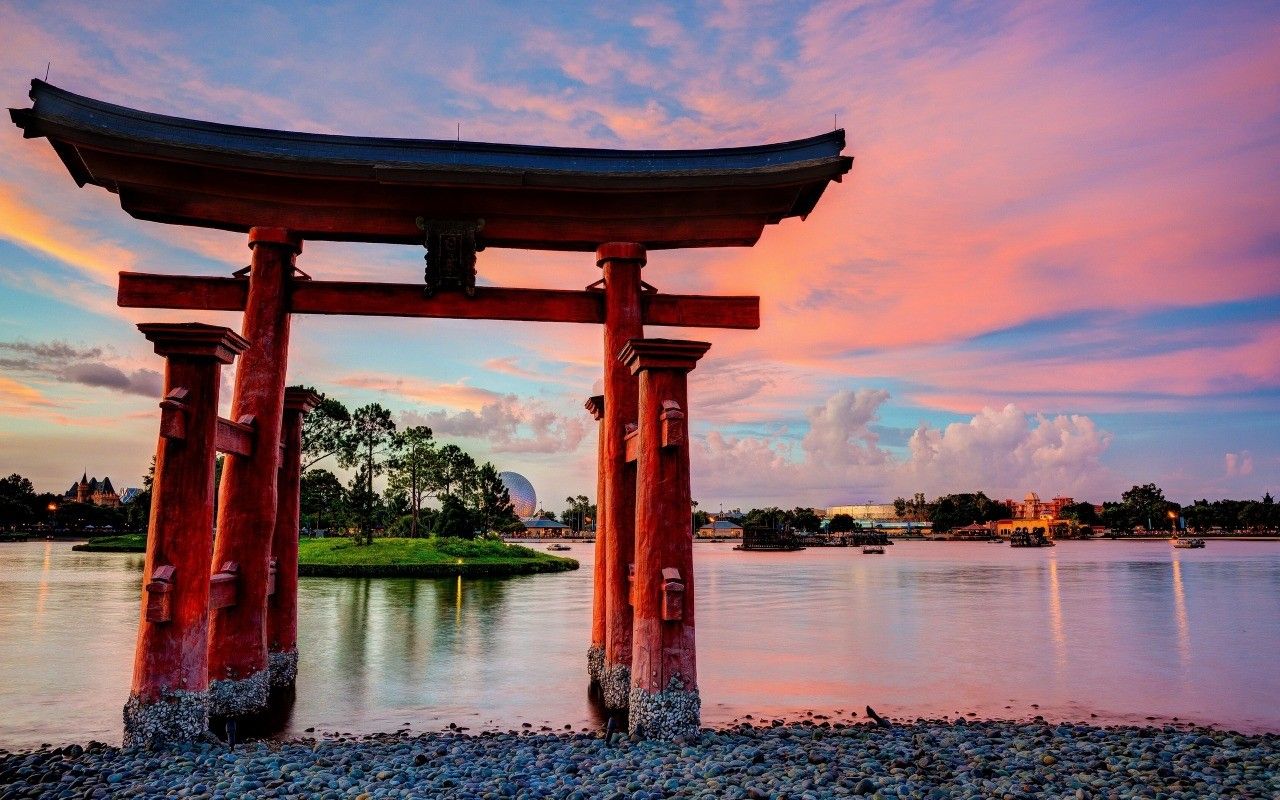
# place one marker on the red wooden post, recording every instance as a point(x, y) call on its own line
point(595, 653)
point(621, 262)
point(282, 605)
point(168, 699)
point(238, 674)
point(664, 699)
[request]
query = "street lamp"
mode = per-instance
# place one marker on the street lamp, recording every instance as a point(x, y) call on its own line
point(53, 510)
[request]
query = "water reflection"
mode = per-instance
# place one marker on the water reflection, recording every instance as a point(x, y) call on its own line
point(1180, 615)
point(1055, 618)
point(926, 629)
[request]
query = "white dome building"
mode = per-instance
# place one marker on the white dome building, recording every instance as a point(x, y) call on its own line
point(524, 500)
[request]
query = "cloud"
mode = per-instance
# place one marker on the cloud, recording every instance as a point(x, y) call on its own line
point(508, 425)
point(1239, 464)
point(1000, 451)
point(452, 395)
point(69, 363)
point(145, 382)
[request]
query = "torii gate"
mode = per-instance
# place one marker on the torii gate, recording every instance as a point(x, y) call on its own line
point(218, 621)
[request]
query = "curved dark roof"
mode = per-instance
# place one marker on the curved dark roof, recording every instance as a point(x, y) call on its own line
point(356, 188)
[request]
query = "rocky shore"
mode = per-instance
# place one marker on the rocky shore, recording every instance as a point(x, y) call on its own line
point(822, 757)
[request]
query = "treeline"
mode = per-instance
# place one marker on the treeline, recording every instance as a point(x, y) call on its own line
point(579, 513)
point(470, 497)
point(1142, 507)
point(22, 508)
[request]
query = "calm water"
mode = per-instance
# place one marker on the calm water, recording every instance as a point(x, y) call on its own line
point(1125, 630)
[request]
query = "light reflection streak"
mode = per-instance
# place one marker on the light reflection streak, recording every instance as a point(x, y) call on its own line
point(457, 604)
point(1180, 615)
point(43, 596)
point(1055, 616)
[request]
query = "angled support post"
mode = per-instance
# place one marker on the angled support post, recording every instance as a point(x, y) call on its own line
point(282, 608)
point(247, 502)
point(168, 700)
point(664, 702)
point(621, 263)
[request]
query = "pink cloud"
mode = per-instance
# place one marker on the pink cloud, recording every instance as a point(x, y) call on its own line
point(1239, 464)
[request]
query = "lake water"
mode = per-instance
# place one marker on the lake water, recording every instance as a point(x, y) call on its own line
point(1124, 630)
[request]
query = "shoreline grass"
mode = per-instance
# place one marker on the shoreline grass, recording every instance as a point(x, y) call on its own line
point(340, 557)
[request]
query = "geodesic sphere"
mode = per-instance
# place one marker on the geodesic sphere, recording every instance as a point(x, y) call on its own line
point(524, 500)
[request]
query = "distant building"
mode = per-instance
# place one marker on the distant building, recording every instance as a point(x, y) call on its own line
point(524, 500)
point(98, 493)
point(536, 528)
point(1032, 508)
point(129, 495)
point(720, 529)
point(866, 512)
point(1050, 528)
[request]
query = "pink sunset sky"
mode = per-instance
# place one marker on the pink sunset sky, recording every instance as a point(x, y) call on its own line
point(1055, 265)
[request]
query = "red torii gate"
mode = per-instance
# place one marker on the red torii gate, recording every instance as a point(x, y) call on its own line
point(218, 622)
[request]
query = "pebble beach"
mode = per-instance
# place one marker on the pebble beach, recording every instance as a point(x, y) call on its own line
point(821, 757)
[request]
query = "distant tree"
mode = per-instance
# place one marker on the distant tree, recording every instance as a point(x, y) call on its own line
point(1119, 517)
point(410, 471)
point(579, 511)
point(803, 519)
point(17, 496)
point(454, 519)
point(493, 510)
point(325, 432)
point(547, 515)
point(366, 448)
point(1148, 506)
point(455, 472)
point(322, 499)
point(137, 512)
point(772, 518)
point(700, 518)
point(968, 508)
point(841, 523)
point(900, 507)
point(1084, 513)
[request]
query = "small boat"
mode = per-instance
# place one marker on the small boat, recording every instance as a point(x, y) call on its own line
point(1187, 544)
point(558, 547)
point(1025, 538)
point(873, 550)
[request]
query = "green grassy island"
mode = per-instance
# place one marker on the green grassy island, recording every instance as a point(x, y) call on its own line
point(392, 558)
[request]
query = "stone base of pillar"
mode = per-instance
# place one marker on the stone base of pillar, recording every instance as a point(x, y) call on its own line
point(670, 714)
point(595, 663)
point(283, 668)
point(615, 685)
point(178, 716)
point(239, 698)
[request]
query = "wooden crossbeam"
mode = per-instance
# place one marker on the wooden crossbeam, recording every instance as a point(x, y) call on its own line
point(234, 438)
point(141, 290)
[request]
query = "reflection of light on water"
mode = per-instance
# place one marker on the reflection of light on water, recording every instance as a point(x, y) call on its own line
point(44, 581)
point(1180, 614)
point(1055, 615)
point(457, 603)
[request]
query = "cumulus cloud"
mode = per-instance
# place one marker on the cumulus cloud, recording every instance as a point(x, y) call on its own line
point(1000, 451)
point(1239, 464)
point(509, 425)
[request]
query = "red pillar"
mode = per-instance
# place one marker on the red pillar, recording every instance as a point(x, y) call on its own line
point(282, 604)
point(664, 699)
point(238, 674)
point(621, 262)
point(168, 699)
point(595, 653)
